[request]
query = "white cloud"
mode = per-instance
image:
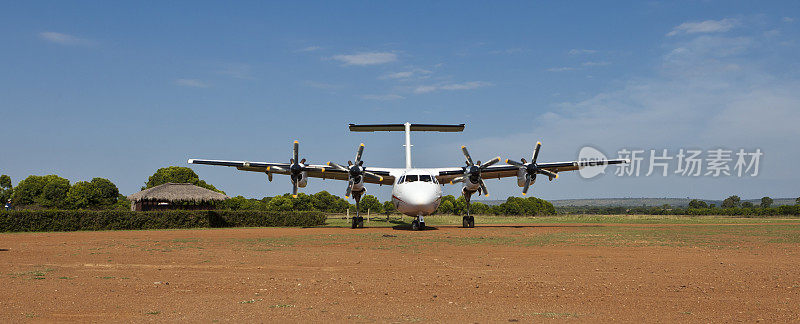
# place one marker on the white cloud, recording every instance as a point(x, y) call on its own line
point(194, 83)
point(601, 63)
point(510, 51)
point(238, 71)
point(452, 86)
point(64, 39)
point(383, 97)
point(581, 51)
point(708, 26)
point(309, 49)
point(367, 58)
point(787, 19)
point(405, 75)
point(707, 92)
point(561, 69)
point(322, 85)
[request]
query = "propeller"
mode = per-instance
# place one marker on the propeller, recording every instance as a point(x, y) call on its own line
point(355, 171)
point(296, 168)
point(473, 171)
point(532, 169)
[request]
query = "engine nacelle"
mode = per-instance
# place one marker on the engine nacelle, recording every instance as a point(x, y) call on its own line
point(303, 181)
point(521, 178)
point(358, 184)
point(469, 185)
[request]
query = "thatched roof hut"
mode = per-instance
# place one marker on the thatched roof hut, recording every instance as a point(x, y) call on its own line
point(175, 196)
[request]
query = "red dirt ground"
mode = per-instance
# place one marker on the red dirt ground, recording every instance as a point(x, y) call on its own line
point(387, 275)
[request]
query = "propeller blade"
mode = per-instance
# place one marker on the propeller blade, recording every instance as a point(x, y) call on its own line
point(527, 184)
point(515, 163)
point(335, 165)
point(373, 176)
point(483, 188)
point(294, 189)
point(488, 164)
point(457, 180)
point(360, 152)
point(547, 173)
point(296, 151)
point(536, 152)
point(349, 189)
point(466, 154)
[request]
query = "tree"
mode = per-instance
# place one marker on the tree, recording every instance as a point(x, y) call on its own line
point(371, 204)
point(6, 190)
point(5, 182)
point(388, 208)
point(730, 202)
point(97, 194)
point(747, 204)
point(46, 191)
point(697, 204)
point(280, 203)
point(797, 201)
point(766, 202)
point(177, 174)
point(107, 192)
point(445, 207)
point(479, 208)
point(82, 195)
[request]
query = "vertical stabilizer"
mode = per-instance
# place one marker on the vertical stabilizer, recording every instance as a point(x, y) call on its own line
point(407, 128)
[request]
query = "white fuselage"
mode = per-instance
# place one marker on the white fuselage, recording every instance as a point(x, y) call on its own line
point(416, 192)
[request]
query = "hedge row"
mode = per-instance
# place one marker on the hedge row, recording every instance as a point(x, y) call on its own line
point(783, 210)
point(86, 220)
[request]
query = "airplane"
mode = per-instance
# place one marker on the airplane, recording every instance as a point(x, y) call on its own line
point(416, 192)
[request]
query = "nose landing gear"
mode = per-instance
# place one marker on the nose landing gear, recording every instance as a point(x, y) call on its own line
point(418, 224)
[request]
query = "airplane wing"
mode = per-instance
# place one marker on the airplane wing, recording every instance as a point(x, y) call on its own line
point(319, 171)
point(503, 171)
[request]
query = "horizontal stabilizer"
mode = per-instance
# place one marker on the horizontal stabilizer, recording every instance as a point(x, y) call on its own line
point(402, 127)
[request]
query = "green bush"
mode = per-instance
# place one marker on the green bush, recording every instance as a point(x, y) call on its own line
point(86, 220)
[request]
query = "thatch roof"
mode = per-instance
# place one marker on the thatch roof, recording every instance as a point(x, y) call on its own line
point(177, 192)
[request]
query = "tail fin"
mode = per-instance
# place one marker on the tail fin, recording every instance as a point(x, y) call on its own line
point(407, 128)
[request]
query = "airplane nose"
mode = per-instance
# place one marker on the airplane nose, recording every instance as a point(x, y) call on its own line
point(422, 195)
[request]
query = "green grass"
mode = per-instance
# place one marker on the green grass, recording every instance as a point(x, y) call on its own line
point(434, 220)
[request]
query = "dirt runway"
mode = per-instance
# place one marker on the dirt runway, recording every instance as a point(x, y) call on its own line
point(524, 273)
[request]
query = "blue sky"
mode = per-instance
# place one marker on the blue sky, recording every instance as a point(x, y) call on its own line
point(117, 90)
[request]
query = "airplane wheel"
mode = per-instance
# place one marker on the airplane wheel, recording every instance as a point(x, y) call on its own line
point(465, 221)
point(361, 222)
point(415, 225)
point(471, 221)
point(355, 223)
point(422, 225)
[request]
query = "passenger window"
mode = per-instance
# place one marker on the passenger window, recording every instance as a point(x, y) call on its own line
point(411, 178)
point(425, 177)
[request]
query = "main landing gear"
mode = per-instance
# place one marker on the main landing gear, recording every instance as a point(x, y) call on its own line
point(358, 221)
point(468, 221)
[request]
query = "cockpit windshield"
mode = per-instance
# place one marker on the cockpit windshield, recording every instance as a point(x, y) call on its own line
point(417, 177)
